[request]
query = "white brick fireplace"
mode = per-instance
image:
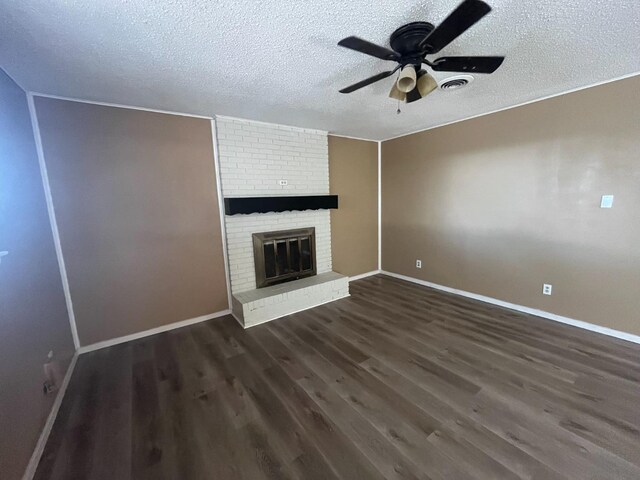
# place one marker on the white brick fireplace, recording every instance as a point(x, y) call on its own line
point(255, 159)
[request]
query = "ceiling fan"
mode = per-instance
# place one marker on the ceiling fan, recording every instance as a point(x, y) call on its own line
point(411, 43)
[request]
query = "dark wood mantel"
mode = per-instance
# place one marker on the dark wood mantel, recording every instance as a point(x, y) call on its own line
point(238, 205)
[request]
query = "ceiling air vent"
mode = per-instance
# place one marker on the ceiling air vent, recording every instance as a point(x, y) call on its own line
point(453, 83)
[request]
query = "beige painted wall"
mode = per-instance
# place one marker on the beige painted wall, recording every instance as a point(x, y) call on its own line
point(33, 314)
point(353, 176)
point(136, 206)
point(501, 204)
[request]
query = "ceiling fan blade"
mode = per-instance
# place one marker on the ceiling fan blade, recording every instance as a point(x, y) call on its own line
point(463, 17)
point(368, 81)
point(467, 64)
point(368, 48)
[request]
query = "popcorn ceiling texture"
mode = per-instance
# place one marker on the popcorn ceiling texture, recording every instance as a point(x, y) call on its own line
point(278, 61)
point(253, 158)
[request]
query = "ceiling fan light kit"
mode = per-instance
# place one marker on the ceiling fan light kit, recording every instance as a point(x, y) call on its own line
point(396, 94)
point(413, 42)
point(426, 84)
point(407, 79)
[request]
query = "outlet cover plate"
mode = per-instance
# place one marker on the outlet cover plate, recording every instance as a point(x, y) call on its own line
point(546, 289)
point(418, 263)
point(606, 201)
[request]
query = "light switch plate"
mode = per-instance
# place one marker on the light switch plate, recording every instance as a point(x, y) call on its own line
point(606, 201)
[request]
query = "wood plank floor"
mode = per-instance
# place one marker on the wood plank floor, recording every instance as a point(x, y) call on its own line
point(398, 381)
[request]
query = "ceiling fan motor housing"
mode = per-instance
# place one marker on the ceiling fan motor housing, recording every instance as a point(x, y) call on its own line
point(406, 39)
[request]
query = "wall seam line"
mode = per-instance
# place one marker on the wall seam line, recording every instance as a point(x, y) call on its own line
point(52, 220)
point(117, 105)
point(379, 205)
point(517, 105)
point(223, 228)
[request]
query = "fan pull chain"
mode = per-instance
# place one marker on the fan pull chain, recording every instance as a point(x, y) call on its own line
point(398, 111)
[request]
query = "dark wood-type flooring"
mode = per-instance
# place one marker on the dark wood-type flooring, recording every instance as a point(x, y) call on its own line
point(398, 381)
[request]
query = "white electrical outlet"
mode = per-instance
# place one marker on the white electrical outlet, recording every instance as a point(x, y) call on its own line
point(606, 201)
point(546, 289)
point(283, 183)
point(418, 263)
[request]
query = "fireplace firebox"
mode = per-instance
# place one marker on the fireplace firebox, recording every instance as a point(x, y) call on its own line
point(284, 255)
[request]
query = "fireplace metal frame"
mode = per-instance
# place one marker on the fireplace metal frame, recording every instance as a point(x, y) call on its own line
point(264, 238)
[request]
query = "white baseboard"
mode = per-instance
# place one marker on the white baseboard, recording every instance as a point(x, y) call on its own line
point(364, 275)
point(520, 308)
point(153, 331)
point(290, 313)
point(44, 435)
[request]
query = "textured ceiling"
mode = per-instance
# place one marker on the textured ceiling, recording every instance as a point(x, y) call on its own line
point(277, 61)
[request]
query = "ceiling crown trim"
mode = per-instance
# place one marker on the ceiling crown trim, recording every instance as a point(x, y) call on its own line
point(535, 100)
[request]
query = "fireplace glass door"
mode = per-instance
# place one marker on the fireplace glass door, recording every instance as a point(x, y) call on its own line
point(284, 256)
